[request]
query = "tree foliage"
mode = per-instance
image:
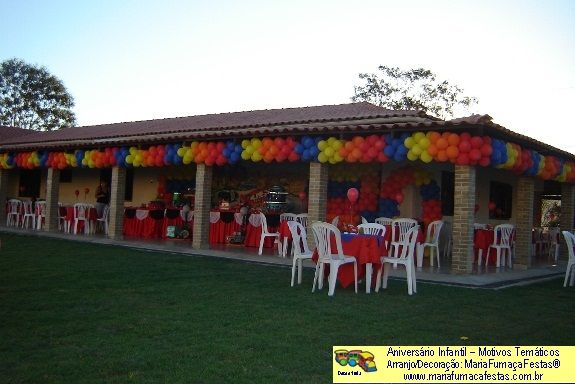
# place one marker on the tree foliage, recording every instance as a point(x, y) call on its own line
point(32, 98)
point(417, 89)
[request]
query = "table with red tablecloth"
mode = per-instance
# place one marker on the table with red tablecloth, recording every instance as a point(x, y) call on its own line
point(145, 223)
point(223, 224)
point(482, 239)
point(68, 213)
point(367, 250)
point(254, 230)
point(177, 218)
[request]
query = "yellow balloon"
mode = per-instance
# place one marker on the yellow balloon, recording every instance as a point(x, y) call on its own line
point(425, 157)
point(409, 142)
point(416, 150)
point(256, 143)
point(412, 156)
point(322, 157)
point(322, 145)
point(424, 143)
point(336, 145)
point(245, 143)
point(418, 136)
point(256, 156)
point(331, 140)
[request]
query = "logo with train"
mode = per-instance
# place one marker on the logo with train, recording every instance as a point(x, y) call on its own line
point(357, 357)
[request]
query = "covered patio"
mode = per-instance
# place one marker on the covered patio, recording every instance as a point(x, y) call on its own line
point(404, 164)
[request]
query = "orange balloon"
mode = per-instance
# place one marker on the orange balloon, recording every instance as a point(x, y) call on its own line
point(452, 152)
point(356, 153)
point(442, 155)
point(433, 136)
point(267, 142)
point(432, 150)
point(453, 139)
point(442, 143)
point(357, 141)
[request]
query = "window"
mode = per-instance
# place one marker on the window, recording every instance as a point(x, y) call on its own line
point(501, 199)
point(447, 192)
point(29, 183)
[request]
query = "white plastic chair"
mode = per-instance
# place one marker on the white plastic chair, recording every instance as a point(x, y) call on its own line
point(29, 218)
point(479, 226)
point(399, 230)
point(371, 229)
point(14, 213)
point(364, 220)
point(554, 243)
point(40, 212)
point(300, 249)
point(265, 234)
point(406, 258)
point(384, 221)
point(431, 241)
point(62, 222)
point(81, 214)
point(286, 217)
point(103, 222)
point(570, 240)
point(322, 233)
point(302, 219)
point(502, 243)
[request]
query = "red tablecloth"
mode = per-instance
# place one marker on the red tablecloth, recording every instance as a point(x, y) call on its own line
point(145, 223)
point(69, 214)
point(365, 249)
point(254, 231)
point(222, 225)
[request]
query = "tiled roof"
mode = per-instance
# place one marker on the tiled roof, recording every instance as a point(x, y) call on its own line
point(8, 133)
point(339, 119)
point(192, 125)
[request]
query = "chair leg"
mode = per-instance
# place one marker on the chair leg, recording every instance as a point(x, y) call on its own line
point(567, 273)
point(378, 278)
point(355, 275)
point(333, 279)
point(385, 276)
point(408, 268)
point(316, 277)
point(321, 276)
point(285, 246)
point(419, 250)
point(293, 267)
point(261, 245)
point(299, 271)
point(437, 254)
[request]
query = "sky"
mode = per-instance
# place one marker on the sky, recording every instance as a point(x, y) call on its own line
point(142, 59)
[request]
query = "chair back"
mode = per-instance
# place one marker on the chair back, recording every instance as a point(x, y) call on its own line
point(409, 243)
point(502, 235)
point(28, 209)
point(299, 238)
point(364, 220)
point(264, 222)
point(433, 231)
point(384, 221)
point(14, 206)
point(322, 233)
point(400, 228)
point(554, 235)
point(40, 208)
point(372, 229)
point(302, 219)
point(479, 226)
point(570, 240)
point(106, 213)
point(81, 211)
point(287, 216)
point(335, 221)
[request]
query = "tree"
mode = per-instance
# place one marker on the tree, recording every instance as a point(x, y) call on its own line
point(32, 98)
point(412, 89)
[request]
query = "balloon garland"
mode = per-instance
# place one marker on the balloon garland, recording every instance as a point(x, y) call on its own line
point(457, 148)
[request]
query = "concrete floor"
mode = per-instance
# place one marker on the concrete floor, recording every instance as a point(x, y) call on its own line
point(486, 278)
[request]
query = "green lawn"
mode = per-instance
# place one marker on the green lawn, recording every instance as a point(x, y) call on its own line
point(72, 312)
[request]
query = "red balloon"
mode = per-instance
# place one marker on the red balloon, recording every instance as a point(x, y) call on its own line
point(76, 192)
point(491, 206)
point(352, 195)
point(86, 190)
point(399, 197)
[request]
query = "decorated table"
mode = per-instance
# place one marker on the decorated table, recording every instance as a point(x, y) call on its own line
point(224, 224)
point(367, 250)
point(142, 222)
point(482, 239)
point(177, 218)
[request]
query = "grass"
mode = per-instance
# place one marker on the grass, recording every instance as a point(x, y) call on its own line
point(85, 313)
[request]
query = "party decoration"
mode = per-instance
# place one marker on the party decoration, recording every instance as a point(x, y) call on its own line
point(352, 195)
